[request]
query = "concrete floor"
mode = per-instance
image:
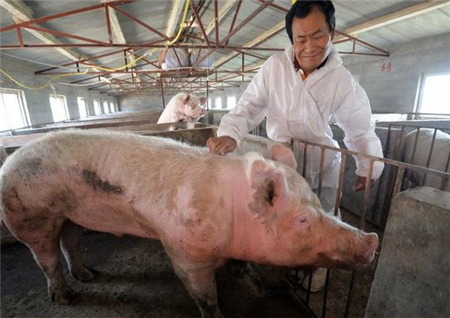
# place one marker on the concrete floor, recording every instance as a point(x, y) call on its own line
point(136, 280)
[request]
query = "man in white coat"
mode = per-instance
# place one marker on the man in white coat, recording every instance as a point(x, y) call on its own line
point(298, 91)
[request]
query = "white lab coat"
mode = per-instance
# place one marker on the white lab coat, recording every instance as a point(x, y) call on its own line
point(301, 109)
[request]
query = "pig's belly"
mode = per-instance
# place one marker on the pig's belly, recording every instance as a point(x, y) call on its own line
point(111, 216)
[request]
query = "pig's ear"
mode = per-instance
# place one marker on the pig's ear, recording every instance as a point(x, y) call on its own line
point(202, 100)
point(284, 155)
point(186, 98)
point(270, 188)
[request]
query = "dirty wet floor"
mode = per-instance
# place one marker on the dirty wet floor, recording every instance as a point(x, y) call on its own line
point(136, 280)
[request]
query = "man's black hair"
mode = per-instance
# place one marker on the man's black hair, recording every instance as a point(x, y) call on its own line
point(301, 9)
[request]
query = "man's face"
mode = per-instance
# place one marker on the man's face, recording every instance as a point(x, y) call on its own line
point(310, 37)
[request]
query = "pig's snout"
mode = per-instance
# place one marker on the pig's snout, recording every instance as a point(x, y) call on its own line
point(370, 244)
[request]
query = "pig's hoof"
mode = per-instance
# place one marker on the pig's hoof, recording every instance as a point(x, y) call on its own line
point(85, 274)
point(64, 298)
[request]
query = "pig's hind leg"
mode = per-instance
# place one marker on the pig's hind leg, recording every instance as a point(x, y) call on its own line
point(39, 230)
point(200, 282)
point(44, 244)
point(70, 238)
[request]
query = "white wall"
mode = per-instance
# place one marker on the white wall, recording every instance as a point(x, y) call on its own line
point(147, 102)
point(224, 93)
point(38, 100)
point(143, 102)
point(396, 90)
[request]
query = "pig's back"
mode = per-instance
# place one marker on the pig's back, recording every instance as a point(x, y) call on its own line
point(134, 162)
point(104, 174)
point(97, 149)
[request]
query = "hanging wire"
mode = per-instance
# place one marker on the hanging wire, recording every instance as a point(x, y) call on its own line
point(43, 86)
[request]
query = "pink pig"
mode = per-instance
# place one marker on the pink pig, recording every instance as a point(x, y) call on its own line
point(258, 210)
point(182, 107)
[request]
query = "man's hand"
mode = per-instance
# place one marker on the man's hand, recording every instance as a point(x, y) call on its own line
point(221, 145)
point(360, 184)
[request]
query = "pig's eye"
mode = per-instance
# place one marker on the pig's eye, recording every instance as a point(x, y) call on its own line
point(302, 219)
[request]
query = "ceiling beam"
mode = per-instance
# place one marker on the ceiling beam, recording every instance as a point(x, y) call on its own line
point(118, 33)
point(17, 8)
point(222, 13)
point(22, 13)
point(249, 68)
point(115, 25)
point(258, 40)
point(177, 10)
point(410, 12)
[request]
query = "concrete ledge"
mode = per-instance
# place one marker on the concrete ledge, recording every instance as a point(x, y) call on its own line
point(413, 273)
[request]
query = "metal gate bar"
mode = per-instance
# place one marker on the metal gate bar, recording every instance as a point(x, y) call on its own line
point(399, 173)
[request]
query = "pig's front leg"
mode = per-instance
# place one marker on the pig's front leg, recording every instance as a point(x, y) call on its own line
point(200, 282)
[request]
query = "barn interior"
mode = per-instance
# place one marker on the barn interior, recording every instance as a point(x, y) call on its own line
point(116, 65)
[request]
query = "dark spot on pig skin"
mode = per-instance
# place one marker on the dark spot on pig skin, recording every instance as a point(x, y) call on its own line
point(30, 168)
point(270, 192)
point(94, 180)
point(32, 224)
point(62, 202)
point(12, 201)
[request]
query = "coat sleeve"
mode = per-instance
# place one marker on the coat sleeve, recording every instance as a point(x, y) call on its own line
point(353, 116)
point(251, 109)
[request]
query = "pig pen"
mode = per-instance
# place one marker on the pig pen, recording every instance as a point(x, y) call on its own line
point(136, 278)
point(392, 135)
point(347, 293)
point(131, 268)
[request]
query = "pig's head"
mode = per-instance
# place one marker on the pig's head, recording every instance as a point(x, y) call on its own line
point(291, 227)
point(192, 106)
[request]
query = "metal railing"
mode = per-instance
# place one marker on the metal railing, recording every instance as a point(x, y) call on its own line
point(414, 115)
point(300, 150)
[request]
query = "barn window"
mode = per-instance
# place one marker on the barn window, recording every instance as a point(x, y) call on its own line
point(105, 107)
point(82, 107)
point(210, 105)
point(112, 108)
point(434, 94)
point(231, 101)
point(13, 109)
point(218, 102)
point(97, 108)
point(58, 105)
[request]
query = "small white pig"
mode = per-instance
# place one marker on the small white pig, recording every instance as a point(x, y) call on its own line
point(257, 210)
point(182, 107)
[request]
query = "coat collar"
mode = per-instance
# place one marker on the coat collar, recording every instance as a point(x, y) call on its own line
point(331, 62)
